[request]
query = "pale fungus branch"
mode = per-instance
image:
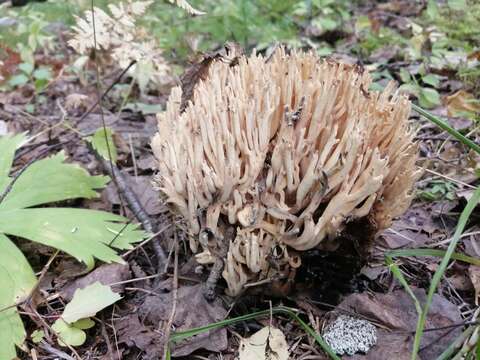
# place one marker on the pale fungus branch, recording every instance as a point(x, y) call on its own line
point(286, 151)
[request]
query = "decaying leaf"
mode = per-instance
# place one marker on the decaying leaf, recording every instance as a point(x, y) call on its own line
point(266, 344)
point(397, 317)
point(157, 309)
point(462, 102)
point(474, 272)
point(105, 274)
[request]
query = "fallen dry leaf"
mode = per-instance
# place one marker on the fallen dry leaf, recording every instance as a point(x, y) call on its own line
point(267, 343)
point(396, 313)
point(133, 333)
point(462, 102)
point(192, 310)
point(142, 187)
point(106, 274)
point(474, 272)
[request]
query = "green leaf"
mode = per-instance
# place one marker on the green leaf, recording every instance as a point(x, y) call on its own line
point(17, 281)
point(88, 301)
point(84, 324)
point(42, 73)
point(37, 336)
point(411, 89)
point(18, 80)
point(459, 5)
point(82, 233)
point(432, 10)
point(102, 143)
point(405, 76)
point(26, 67)
point(40, 84)
point(428, 98)
point(51, 180)
point(431, 79)
point(8, 146)
point(68, 334)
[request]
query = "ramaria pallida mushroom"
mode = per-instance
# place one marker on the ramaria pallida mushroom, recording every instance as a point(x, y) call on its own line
point(286, 151)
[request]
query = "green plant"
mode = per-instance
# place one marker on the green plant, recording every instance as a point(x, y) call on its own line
point(448, 254)
point(370, 40)
point(84, 234)
point(178, 336)
point(438, 189)
point(423, 88)
point(40, 77)
point(30, 35)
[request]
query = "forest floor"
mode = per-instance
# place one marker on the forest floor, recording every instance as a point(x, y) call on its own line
point(50, 92)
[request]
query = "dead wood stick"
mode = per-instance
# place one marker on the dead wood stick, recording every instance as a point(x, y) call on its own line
point(115, 82)
point(58, 353)
point(168, 325)
point(217, 268)
point(131, 198)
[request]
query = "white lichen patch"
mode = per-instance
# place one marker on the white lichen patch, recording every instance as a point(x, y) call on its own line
point(349, 335)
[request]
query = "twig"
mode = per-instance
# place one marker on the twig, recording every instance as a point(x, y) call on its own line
point(115, 82)
point(216, 271)
point(168, 325)
point(131, 198)
point(58, 353)
point(110, 167)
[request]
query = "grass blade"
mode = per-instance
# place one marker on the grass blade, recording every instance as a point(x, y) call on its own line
point(441, 269)
point(445, 126)
point(398, 274)
point(432, 252)
point(447, 354)
point(178, 336)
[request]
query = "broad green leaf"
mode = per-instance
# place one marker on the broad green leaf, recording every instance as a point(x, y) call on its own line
point(84, 324)
point(410, 89)
point(50, 180)
point(102, 142)
point(68, 334)
point(72, 334)
point(18, 80)
point(37, 336)
point(26, 67)
point(458, 5)
point(42, 74)
point(405, 76)
point(428, 98)
point(8, 146)
point(88, 301)
point(82, 233)
point(17, 280)
point(431, 79)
